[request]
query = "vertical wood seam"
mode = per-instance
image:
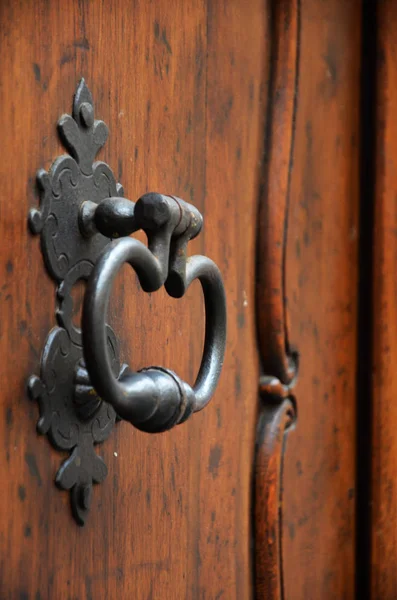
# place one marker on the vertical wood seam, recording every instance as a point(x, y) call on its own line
point(279, 360)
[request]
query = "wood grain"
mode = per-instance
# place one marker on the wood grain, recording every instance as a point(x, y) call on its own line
point(321, 289)
point(278, 359)
point(275, 421)
point(307, 299)
point(383, 501)
point(178, 84)
point(277, 356)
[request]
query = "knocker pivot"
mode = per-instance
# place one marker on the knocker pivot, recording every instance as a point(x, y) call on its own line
point(84, 223)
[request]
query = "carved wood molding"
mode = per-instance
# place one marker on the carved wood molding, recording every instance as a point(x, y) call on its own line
point(277, 356)
point(279, 360)
point(275, 421)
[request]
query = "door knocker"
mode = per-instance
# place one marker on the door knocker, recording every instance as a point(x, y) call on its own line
point(84, 224)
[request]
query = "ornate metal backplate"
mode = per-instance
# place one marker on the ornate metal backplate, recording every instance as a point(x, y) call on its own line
point(73, 423)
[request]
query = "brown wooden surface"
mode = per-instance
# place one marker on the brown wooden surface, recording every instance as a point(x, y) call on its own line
point(278, 360)
point(321, 289)
point(308, 301)
point(275, 421)
point(384, 379)
point(178, 83)
point(283, 72)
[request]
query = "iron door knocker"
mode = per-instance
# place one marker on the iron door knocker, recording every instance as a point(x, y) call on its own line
point(82, 388)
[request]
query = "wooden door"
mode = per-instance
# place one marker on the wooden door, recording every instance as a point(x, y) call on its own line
point(179, 85)
point(248, 110)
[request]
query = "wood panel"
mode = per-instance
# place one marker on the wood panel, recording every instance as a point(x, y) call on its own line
point(277, 357)
point(321, 289)
point(307, 299)
point(179, 84)
point(276, 419)
point(384, 376)
point(279, 361)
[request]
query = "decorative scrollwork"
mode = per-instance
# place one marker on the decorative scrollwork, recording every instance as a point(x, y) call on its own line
point(72, 415)
point(70, 181)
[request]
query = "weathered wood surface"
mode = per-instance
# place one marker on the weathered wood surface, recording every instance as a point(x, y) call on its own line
point(179, 85)
point(308, 270)
point(278, 358)
point(321, 287)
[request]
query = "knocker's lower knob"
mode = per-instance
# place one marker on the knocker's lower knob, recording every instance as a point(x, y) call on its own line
point(168, 400)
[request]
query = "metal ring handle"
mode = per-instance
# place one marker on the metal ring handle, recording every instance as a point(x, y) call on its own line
point(153, 399)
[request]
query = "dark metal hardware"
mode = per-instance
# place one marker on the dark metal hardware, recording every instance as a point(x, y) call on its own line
point(83, 389)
